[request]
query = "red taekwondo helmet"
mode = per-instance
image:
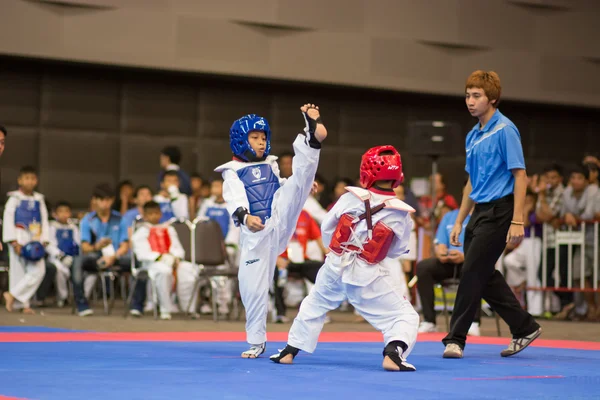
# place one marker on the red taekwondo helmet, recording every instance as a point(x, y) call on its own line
point(376, 166)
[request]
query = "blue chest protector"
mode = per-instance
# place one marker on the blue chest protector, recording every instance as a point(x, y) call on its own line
point(66, 243)
point(220, 216)
point(28, 212)
point(167, 212)
point(261, 184)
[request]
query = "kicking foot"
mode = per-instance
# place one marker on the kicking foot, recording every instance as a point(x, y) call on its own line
point(393, 359)
point(9, 300)
point(315, 130)
point(29, 311)
point(255, 351)
point(285, 356)
point(519, 344)
point(453, 351)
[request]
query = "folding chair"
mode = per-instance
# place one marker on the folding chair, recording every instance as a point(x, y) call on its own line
point(209, 252)
point(452, 284)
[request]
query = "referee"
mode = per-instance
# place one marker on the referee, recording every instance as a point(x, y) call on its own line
point(496, 187)
point(3, 135)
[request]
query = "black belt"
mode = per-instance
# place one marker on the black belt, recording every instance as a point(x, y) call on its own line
point(502, 200)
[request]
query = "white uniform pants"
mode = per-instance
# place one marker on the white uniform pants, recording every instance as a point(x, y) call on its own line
point(25, 278)
point(381, 303)
point(522, 264)
point(259, 251)
point(162, 276)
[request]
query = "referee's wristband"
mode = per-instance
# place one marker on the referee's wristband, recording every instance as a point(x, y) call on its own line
point(517, 223)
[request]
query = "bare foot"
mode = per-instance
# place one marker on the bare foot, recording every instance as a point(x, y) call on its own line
point(389, 365)
point(29, 311)
point(288, 359)
point(10, 300)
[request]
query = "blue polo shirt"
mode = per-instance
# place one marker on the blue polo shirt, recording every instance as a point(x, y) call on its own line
point(491, 155)
point(93, 229)
point(442, 236)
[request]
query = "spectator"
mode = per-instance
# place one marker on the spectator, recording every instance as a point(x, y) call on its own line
point(103, 244)
point(322, 195)
point(173, 203)
point(25, 227)
point(549, 188)
point(3, 135)
point(285, 164)
point(339, 188)
point(442, 200)
point(170, 157)
point(446, 264)
point(579, 203)
point(124, 200)
point(196, 182)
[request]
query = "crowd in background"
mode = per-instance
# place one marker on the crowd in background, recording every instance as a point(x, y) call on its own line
point(104, 238)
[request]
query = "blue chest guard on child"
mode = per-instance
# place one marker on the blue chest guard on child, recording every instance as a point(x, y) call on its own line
point(65, 242)
point(220, 216)
point(27, 213)
point(261, 184)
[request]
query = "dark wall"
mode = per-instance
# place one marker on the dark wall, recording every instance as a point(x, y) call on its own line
point(81, 125)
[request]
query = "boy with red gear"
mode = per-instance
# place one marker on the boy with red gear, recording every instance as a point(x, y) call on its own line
point(363, 228)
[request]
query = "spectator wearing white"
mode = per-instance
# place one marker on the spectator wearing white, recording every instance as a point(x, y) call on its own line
point(158, 249)
point(523, 262)
point(64, 245)
point(170, 158)
point(173, 203)
point(25, 227)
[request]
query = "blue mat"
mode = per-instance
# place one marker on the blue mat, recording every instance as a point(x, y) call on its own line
point(33, 329)
point(168, 370)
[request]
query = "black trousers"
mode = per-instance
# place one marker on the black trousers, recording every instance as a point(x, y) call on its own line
point(485, 239)
point(431, 271)
point(308, 270)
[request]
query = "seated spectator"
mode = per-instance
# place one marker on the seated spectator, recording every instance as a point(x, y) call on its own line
point(523, 262)
point(64, 246)
point(170, 158)
point(195, 200)
point(158, 249)
point(173, 203)
point(124, 200)
point(446, 264)
point(580, 203)
point(442, 199)
point(103, 245)
point(549, 188)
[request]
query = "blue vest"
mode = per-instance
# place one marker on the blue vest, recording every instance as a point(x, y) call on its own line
point(261, 184)
point(66, 244)
point(167, 212)
point(28, 212)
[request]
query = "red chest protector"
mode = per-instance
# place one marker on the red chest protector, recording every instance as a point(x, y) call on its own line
point(159, 239)
point(379, 238)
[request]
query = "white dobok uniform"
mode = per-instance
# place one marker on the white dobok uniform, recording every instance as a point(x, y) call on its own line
point(257, 187)
point(25, 220)
point(371, 288)
point(151, 241)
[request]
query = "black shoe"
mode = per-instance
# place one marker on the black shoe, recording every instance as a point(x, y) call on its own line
point(276, 358)
point(393, 359)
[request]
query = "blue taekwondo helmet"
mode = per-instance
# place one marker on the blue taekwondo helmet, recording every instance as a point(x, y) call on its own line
point(238, 136)
point(33, 251)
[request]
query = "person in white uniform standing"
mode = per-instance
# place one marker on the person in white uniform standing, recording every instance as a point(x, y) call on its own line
point(365, 226)
point(25, 227)
point(266, 207)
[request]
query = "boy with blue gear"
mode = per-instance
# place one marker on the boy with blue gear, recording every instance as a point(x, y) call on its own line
point(25, 227)
point(266, 207)
point(64, 245)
